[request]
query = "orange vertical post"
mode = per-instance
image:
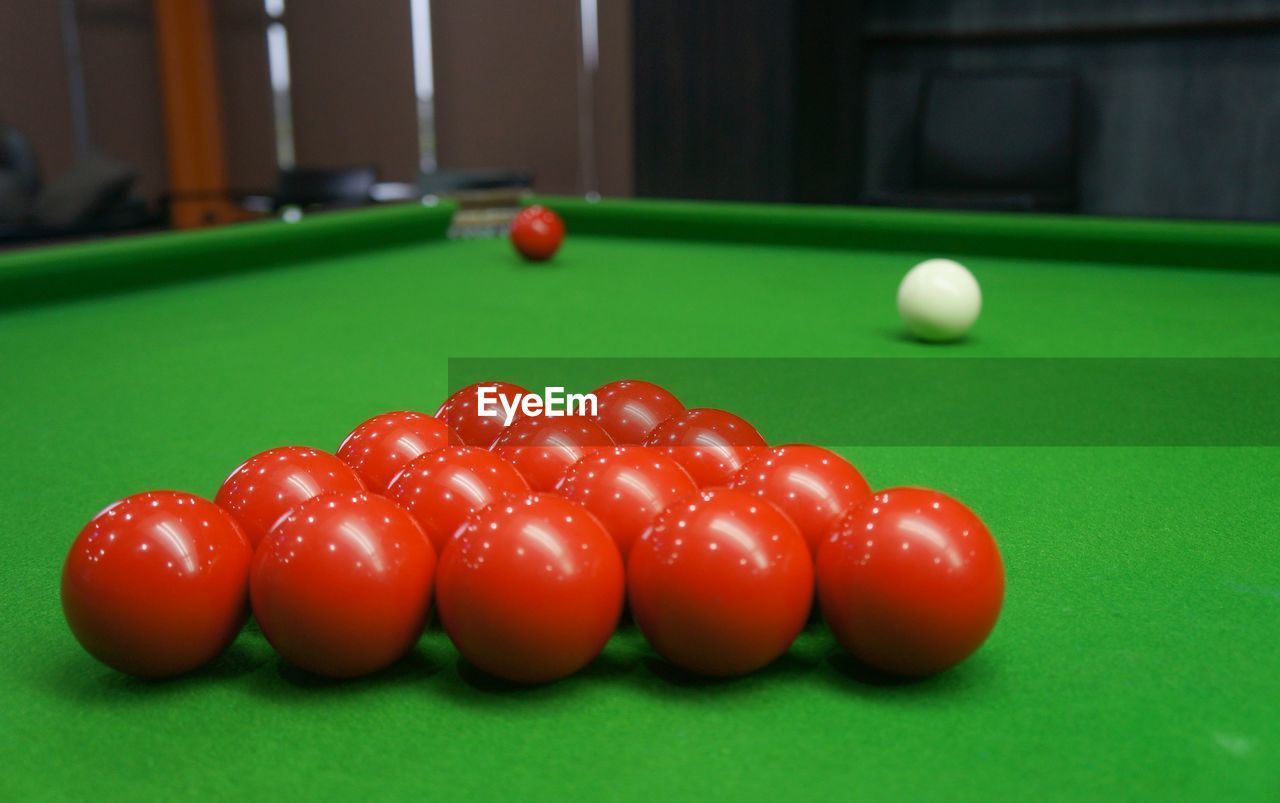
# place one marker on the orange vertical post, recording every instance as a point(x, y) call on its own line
point(192, 114)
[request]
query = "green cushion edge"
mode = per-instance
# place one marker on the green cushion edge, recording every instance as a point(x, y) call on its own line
point(1159, 243)
point(60, 272)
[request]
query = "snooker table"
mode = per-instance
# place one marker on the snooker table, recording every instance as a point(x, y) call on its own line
point(1137, 655)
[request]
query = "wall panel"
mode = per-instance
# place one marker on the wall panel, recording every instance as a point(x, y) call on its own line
point(33, 81)
point(506, 78)
point(614, 120)
point(351, 68)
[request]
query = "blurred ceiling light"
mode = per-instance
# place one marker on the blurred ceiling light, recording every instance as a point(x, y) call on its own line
point(590, 35)
point(424, 82)
point(278, 56)
point(278, 67)
point(589, 30)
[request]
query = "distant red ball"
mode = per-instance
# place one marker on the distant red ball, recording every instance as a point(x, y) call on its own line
point(910, 582)
point(460, 412)
point(629, 409)
point(531, 590)
point(268, 485)
point(342, 586)
point(442, 489)
point(537, 232)
point(812, 485)
point(542, 448)
point(626, 487)
point(380, 447)
point(712, 445)
point(157, 584)
point(721, 584)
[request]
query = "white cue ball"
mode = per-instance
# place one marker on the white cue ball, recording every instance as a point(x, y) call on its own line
point(939, 300)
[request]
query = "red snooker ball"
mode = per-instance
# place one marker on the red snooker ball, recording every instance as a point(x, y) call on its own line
point(536, 232)
point(460, 412)
point(157, 584)
point(626, 487)
point(381, 446)
point(630, 409)
point(543, 448)
point(910, 582)
point(721, 584)
point(531, 590)
point(270, 484)
point(712, 445)
point(812, 485)
point(442, 489)
point(342, 585)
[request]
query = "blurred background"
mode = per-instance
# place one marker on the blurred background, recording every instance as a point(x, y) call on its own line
point(118, 115)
